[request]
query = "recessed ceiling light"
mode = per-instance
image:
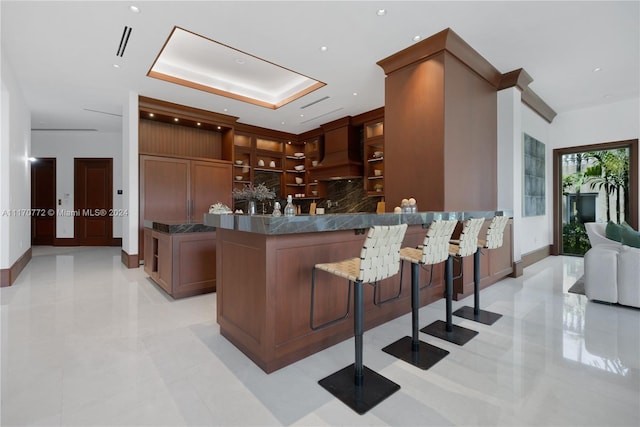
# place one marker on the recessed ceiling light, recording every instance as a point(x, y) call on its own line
point(116, 66)
point(219, 127)
point(281, 123)
point(381, 12)
point(416, 38)
point(226, 109)
point(197, 62)
point(301, 115)
point(355, 93)
point(240, 61)
point(150, 114)
point(175, 119)
point(323, 48)
point(595, 70)
point(134, 9)
point(198, 124)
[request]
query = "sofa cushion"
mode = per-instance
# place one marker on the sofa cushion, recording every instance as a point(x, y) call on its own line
point(630, 237)
point(601, 273)
point(613, 231)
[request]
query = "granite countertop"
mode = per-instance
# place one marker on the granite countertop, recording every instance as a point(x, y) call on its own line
point(267, 224)
point(173, 227)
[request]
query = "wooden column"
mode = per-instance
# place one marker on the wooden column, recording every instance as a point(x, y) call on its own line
point(441, 126)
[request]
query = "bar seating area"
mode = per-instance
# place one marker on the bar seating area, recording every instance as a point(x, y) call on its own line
point(356, 385)
point(434, 250)
point(382, 257)
point(465, 246)
point(493, 240)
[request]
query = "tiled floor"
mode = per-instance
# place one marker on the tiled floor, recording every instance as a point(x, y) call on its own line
point(84, 341)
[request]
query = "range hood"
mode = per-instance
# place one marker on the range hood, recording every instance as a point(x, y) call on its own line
point(342, 152)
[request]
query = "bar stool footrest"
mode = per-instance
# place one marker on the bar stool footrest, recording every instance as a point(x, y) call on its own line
point(458, 335)
point(424, 357)
point(374, 389)
point(485, 317)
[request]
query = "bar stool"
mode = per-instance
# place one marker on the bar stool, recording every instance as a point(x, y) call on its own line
point(434, 250)
point(357, 386)
point(467, 245)
point(493, 240)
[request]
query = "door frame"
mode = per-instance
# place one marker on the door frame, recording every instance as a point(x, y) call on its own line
point(631, 144)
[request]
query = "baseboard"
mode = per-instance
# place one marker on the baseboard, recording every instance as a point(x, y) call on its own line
point(9, 275)
point(71, 241)
point(518, 269)
point(131, 261)
point(535, 256)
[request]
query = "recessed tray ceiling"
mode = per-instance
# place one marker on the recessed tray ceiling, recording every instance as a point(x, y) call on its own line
point(197, 62)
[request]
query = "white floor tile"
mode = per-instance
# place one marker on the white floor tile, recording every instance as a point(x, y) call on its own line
point(85, 341)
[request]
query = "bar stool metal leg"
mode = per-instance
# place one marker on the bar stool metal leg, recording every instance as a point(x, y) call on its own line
point(447, 330)
point(357, 386)
point(411, 349)
point(476, 314)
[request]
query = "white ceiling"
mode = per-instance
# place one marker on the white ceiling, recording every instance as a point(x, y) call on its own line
point(62, 53)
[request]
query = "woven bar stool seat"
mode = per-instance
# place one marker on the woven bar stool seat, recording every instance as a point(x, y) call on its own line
point(357, 386)
point(493, 240)
point(465, 246)
point(434, 250)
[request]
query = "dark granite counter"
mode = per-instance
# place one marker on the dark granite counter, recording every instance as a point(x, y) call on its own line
point(267, 224)
point(172, 227)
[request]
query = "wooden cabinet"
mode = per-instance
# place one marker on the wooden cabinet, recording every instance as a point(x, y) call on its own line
point(374, 155)
point(295, 173)
point(315, 189)
point(182, 264)
point(173, 189)
point(259, 159)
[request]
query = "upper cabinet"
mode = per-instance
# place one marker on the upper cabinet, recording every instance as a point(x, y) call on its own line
point(167, 129)
point(374, 157)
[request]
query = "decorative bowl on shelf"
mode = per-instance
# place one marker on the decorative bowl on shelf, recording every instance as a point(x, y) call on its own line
point(298, 154)
point(238, 177)
point(238, 162)
point(299, 167)
point(377, 172)
point(314, 192)
point(377, 154)
point(299, 180)
point(314, 163)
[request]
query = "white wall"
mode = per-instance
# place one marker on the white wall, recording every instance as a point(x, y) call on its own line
point(606, 123)
point(619, 121)
point(64, 146)
point(130, 174)
point(15, 170)
point(539, 229)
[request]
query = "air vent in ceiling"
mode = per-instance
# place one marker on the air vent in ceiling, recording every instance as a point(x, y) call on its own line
point(123, 41)
point(314, 102)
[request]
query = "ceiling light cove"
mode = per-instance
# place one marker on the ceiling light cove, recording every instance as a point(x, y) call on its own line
point(191, 60)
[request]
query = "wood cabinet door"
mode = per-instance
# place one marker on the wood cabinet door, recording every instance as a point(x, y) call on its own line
point(210, 183)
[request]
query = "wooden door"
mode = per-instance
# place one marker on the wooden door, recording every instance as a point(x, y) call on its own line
point(164, 192)
point(43, 201)
point(210, 183)
point(93, 202)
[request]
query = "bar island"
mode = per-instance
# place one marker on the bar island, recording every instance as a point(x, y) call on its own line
point(263, 278)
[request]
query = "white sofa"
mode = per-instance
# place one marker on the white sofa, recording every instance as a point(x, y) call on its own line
point(611, 271)
point(597, 234)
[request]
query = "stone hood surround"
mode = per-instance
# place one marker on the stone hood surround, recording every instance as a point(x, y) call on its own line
point(267, 224)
